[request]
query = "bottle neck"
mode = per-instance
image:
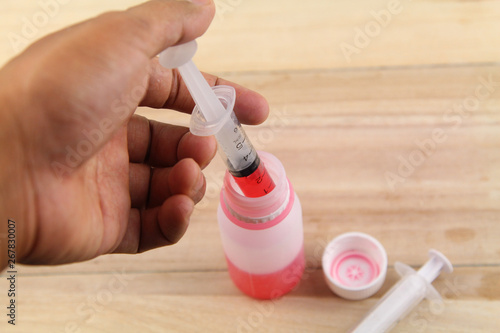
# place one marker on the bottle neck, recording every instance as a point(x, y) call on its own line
point(258, 210)
point(270, 214)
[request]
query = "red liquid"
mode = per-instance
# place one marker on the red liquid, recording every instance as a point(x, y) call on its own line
point(258, 184)
point(268, 286)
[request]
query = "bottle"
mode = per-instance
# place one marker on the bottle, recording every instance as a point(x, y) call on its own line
point(262, 236)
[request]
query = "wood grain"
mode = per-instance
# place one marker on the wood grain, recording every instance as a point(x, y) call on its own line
point(339, 128)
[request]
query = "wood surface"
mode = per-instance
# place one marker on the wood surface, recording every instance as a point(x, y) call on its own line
point(340, 128)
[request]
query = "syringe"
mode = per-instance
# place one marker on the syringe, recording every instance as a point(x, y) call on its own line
point(238, 153)
point(405, 295)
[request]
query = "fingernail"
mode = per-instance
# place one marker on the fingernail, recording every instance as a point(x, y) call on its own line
point(188, 209)
point(198, 188)
point(199, 2)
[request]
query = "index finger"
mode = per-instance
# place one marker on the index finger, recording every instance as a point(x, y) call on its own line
point(167, 90)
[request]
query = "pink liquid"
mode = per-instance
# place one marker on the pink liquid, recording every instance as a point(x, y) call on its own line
point(269, 286)
point(257, 184)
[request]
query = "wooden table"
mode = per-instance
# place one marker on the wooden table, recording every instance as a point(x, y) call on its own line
point(368, 126)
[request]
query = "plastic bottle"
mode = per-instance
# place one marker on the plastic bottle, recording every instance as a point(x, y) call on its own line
point(263, 237)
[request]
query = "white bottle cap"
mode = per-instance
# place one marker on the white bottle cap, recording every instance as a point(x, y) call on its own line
point(354, 265)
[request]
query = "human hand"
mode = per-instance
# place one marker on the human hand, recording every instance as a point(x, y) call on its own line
point(81, 175)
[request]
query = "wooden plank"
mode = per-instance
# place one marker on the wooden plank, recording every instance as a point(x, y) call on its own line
point(284, 35)
point(292, 35)
point(207, 301)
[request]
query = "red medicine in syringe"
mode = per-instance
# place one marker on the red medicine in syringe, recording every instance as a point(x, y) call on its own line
point(254, 181)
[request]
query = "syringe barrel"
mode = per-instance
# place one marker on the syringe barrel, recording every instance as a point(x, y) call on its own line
point(237, 151)
point(395, 305)
point(240, 156)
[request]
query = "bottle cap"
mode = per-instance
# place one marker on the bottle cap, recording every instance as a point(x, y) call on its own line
point(354, 265)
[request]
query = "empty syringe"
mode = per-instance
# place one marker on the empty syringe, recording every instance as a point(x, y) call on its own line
point(405, 295)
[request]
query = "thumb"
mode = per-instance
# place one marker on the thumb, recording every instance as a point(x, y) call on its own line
point(92, 76)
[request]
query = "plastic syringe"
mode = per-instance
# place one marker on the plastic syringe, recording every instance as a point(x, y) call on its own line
point(405, 295)
point(238, 152)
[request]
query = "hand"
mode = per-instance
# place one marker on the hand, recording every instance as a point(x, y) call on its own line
point(81, 175)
